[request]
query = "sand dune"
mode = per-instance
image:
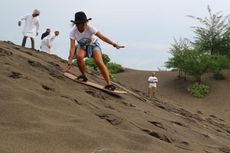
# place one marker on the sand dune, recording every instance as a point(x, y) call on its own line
point(41, 111)
point(216, 104)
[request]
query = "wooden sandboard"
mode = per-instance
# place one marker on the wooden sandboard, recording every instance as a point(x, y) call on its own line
point(94, 85)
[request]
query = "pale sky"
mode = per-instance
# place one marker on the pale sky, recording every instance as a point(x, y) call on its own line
point(145, 27)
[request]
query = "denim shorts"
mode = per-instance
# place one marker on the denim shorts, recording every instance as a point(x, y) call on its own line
point(89, 48)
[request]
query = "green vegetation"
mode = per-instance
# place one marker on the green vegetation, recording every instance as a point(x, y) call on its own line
point(115, 68)
point(210, 51)
point(192, 61)
point(198, 90)
point(112, 67)
point(213, 36)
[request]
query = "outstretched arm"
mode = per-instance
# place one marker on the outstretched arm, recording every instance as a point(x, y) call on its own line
point(107, 40)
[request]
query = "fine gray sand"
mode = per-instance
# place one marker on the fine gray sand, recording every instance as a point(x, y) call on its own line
point(41, 111)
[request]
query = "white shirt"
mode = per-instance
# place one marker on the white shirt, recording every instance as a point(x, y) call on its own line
point(46, 42)
point(86, 37)
point(31, 25)
point(153, 80)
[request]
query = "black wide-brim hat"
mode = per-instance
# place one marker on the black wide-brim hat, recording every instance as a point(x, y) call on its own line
point(80, 17)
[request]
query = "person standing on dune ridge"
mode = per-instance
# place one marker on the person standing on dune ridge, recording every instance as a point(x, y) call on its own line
point(152, 87)
point(31, 27)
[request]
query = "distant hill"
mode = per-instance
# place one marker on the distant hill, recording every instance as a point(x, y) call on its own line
point(41, 111)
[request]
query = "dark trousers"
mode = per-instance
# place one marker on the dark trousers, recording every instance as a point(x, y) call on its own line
point(24, 42)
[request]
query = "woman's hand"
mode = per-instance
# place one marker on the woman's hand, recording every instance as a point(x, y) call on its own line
point(117, 46)
point(107, 40)
point(68, 67)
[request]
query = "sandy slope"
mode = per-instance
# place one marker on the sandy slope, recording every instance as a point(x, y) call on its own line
point(43, 112)
point(170, 89)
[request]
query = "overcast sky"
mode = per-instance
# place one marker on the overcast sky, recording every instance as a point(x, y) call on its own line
point(145, 27)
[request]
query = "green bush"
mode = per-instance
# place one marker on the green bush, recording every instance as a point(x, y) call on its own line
point(91, 63)
point(112, 67)
point(106, 59)
point(115, 68)
point(198, 90)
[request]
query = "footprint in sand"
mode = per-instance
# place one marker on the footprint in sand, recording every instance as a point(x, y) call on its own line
point(37, 64)
point(34, 63)
point(112, 119)
point(178, 123)
point(184, 145)
point(57, 75)
point(96, 94)
point(55, 65)
point(157, 124)
point(199, 112)
point(4, 52)
point(48, 88)
point(157, 135)
point(72, 99)
point(214, 117)
point(15, 75)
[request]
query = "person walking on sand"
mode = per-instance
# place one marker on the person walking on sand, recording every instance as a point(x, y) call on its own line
point(46, 43)
point(46, 33)
point(31, 27)
point(152, 87)
point(86, 37)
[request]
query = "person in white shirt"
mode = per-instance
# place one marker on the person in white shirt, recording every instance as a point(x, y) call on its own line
point(46, 43)
point(152, 87)
point(86, 37)
point(31, 27)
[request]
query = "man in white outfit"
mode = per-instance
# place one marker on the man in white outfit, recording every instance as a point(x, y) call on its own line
point(31, 27)
point(152, 80)
point(46, 43)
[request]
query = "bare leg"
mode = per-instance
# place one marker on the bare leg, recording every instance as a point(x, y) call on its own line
point(99, 61)
point(153, 94)
point(154, 91)
point(150, 92)
point(81, 53)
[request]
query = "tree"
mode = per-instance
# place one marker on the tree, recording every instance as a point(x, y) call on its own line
point(214, 36)
point(177, 50)
point(196, 63)
point(208, 53)
point(191, 61)
point(219, 63)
